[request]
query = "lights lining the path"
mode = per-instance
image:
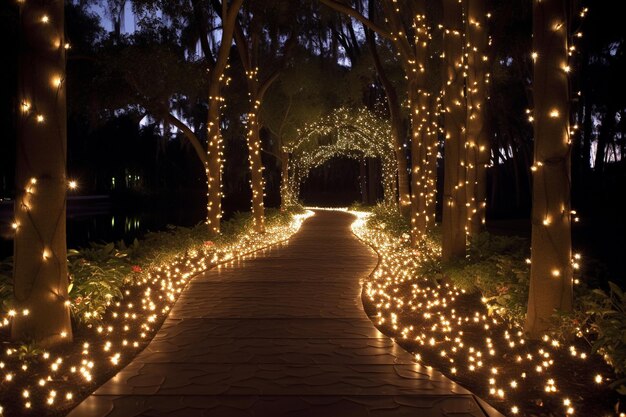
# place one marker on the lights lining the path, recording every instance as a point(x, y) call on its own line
point(433, 320)
point(158, 286)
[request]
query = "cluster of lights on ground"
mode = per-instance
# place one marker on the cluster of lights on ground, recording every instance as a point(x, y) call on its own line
point(159, 286)
point(421, 310)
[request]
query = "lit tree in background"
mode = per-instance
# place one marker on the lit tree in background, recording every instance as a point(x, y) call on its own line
point(551, 247)
point(216, 65)
point(40, 254)
point(395, 116)
point(478, 147)
point(408, 31)
point(251, 41)
point(454, 202)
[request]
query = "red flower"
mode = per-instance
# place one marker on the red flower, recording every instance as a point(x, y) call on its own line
point(208, 243)
point(503, 289)
point(136, 268)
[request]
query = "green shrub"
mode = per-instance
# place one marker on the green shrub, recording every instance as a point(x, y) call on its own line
point(388, 218)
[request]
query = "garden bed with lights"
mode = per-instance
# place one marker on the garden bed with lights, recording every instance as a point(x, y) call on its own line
point(119, 296)
point(466, 324)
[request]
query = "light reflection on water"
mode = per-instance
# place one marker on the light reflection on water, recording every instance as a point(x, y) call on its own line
point(104, 226)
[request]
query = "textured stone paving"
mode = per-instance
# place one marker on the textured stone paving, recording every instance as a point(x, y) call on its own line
point(281, 333)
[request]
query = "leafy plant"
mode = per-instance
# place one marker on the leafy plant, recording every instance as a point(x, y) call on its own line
point(609, 326)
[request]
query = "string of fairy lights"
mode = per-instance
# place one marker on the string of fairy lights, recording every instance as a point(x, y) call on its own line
point(157, 286)
point(257, 183)
point(353, 133)
point(430, 314)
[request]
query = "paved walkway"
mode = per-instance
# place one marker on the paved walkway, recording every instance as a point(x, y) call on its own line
point(282, 333)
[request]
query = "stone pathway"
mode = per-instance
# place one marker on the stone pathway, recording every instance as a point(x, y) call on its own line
point(281, 333)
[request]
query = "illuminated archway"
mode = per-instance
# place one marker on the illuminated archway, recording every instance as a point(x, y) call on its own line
point(352, 133)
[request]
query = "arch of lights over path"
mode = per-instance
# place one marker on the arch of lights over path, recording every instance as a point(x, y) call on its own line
point(352, 133)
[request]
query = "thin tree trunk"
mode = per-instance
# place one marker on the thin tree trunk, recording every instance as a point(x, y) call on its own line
point(286, 198)
point(395, 116)
point(40, 255)
point(420, 109)
point(454, 208)
point(214, 166)
point(431, 157)
point(214, 135)
point(550, 270)
point(256, 168)
point(477, 138)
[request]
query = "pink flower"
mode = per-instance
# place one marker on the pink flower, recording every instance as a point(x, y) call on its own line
point(136, 268)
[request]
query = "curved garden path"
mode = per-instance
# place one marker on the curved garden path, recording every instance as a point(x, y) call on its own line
point(281, 333)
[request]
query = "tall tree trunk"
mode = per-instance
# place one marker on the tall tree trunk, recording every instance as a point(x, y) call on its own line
point(256, 166)
point(40, 255)
point(395, 116)
point(415, 71)
point(214, 166)
point(431, 158)
point(454, 208)
point(550, 269)
point(477, 138)
point(419, 179)
point(214, 135)
point(286, 199)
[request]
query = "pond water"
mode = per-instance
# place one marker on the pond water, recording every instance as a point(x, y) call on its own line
point(99, 219)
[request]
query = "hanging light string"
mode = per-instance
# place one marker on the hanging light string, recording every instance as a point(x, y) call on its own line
point(358, 133)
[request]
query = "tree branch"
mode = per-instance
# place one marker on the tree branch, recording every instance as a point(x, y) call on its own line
point(333, 4)
point(190, 135)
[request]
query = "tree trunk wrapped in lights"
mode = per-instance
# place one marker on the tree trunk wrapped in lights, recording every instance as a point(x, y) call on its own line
point(454, 207)
point(216, 67)
point(286, 198)
point(256, 167)
point(40, 256)
point(477, 138)
point(420, 110)
point(248, 43)
point(214, 156)
point(551, 267)
point(411, 44)
point(395, 117)
point(432, 149)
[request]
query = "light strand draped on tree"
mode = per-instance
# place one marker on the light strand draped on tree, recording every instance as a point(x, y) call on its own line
point(551, 246)
point(248, 42)
point(40, 254)
point(454, 204)
point(410, 41)
point(215, 145)
point(478, 149)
